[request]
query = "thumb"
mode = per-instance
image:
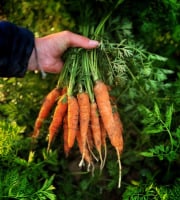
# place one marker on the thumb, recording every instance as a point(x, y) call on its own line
point(75, 40)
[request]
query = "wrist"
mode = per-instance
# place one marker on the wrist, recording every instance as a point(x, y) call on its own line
point(32, 63)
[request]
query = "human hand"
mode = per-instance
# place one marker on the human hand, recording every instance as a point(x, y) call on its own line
point(50, 49)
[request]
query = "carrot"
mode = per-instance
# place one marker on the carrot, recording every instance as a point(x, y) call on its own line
point(90, 143)
point(87, 155)
point(118, 139)
point(118, 118)
point(103, 139)
point(45, 109)
point(96, 130)
point(118, 123)
point(103, 133)
point(84, 114)
point(118, 134)
point(65, 136)
point(105, 108)
point(112, 98)
point(73, 119)
point(64, 90)
point(57, 119)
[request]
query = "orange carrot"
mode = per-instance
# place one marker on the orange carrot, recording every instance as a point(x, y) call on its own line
point(45, 109)
point(64, 90)
point(90, 141)
point(73, 119)
point(84, 114)
point(118, 134)
point(65, 136)
point(119, 126)
point(105, 108)
point(87, 155)
point(103, 139)
point(103, 133)
point(57, 119)
point(112, 98)
point(96, 129)
point(118, 139)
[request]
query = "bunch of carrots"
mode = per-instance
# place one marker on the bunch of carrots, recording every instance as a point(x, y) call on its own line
point(84, 110)
point(83, 106)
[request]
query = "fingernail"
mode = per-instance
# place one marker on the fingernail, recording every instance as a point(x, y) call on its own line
point(94, 43)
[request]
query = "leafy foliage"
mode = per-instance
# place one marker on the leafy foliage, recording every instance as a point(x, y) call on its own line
point(157, 123)
point(20, 98)
point(21, 178)
point(148, 95)
point(18, 186)
point(161, 19)
point(10, 134)
point(152, 191)
point(43, 17)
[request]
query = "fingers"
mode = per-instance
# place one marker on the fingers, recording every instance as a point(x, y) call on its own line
point(75, 40)
point(55, 68)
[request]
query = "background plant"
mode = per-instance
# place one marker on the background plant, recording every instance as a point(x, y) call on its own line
point(148, 99)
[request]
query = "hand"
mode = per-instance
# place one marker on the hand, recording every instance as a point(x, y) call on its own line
point(50, 49)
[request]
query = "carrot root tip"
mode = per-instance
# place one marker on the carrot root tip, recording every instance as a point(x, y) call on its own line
point(35, 134)
point(81, 163)
point(91, 165)
point(88, 167)
point(93, 155)
point(120, 168)
point(105, 156)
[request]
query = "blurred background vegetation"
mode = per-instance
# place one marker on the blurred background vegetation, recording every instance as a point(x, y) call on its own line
point(149, 104)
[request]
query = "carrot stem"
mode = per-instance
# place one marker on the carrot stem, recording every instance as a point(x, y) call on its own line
point(73, 74)
point(64, 75)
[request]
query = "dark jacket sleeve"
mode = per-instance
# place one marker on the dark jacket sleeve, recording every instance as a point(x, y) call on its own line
point(16, 45)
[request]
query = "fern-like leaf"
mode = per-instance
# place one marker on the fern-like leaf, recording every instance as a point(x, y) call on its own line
point(168, 115)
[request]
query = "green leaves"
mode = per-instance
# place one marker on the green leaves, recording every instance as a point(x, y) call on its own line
point(161, 152)
point(153, 191)
point(10, 135)
point(157, 123)
point(168, 116)
point(20, 179)
point(15, 183)
point(147, 87)
point(46, 190)
point(41, 17)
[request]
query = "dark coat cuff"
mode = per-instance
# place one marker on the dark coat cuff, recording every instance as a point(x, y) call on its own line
point(16, 45)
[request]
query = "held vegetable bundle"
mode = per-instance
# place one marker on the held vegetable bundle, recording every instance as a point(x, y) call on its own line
point(83, 107)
